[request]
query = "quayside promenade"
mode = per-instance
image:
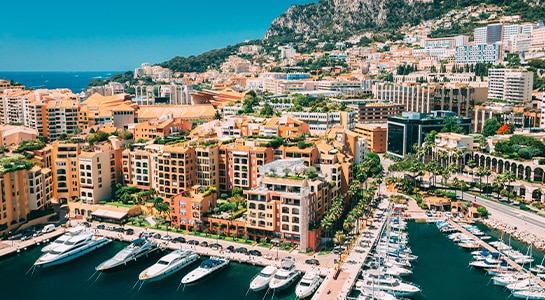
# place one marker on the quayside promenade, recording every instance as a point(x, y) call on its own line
point(339, 282)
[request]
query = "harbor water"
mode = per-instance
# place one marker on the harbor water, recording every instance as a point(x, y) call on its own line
point(441, 271)
point(77, 279)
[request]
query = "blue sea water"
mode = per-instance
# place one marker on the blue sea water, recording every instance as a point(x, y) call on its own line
point(75, 81)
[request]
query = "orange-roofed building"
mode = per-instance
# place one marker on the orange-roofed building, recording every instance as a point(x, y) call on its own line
point(149, 130)
point(190, 206)
point(285, 126)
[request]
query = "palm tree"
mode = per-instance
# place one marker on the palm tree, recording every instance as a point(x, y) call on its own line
point(498, 182)
point(327, 225)
point(509, 177)
point(340, 237)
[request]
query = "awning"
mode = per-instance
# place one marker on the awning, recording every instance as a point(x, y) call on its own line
point(116, 215)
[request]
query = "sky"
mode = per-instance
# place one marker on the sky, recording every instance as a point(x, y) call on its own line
point(73, 35)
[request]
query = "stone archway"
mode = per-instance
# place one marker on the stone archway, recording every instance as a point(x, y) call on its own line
point(500, 166)
point(528, 173)
point(519, 171)
point(494, 165)
point(507, 166)
point(538, 174)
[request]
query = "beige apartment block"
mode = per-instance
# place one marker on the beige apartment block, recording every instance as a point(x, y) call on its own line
point(95, 177)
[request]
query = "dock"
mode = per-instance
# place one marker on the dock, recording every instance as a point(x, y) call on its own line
point(10, 247)
point(341, 280)
point(488, 247)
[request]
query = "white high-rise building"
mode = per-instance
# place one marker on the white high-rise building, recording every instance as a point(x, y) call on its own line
point(511, 85)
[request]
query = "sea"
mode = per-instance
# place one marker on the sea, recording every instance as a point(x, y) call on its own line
point(441, 271)
point(75, 81)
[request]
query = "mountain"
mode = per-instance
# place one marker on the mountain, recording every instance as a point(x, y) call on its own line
point(337, 19)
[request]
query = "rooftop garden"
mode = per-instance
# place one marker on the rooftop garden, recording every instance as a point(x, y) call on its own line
point(29, 146)
point(520, 147)
point(14, 163)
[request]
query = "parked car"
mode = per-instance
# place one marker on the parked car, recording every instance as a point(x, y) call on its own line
point(215, 246)
point(167, 238)
point(312, 261)
point(178, 240)
point(193, 242)
point(119, 229)
point(204, 244)
point(157, 236)
point(145, 234)
point(241, 250)
point(110, 227)
point(129, 231)
point(254, 252)
point(101, 226)
point(230, 248)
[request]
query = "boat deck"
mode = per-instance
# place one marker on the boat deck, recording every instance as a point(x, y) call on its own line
point(492, 249)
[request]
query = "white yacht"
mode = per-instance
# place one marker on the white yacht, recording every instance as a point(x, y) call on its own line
point(531, 294)
point(375, 295)
point(286, 276)
point(137, 249)
point(74, 247)
point(262, 279)
point(168, 265)
point(375, 280)
point(523, 285)
point(308, 284)
point(65, 237)
point(508, 278)
point(207, 267)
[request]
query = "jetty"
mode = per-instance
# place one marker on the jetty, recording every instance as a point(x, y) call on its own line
point(340, 281)
point(9, 247)
point(488, 247)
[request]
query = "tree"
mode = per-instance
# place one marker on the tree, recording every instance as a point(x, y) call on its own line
point(451, 125)
point(217, 115)
point(491, 127)
point(237, 192)
point(340, 237)
point(483, 212)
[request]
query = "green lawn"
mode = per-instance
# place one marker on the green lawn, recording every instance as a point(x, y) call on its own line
point(120, 204)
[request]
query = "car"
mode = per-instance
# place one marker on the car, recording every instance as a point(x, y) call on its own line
point(145, 234)
point(215, 246)
point(157, 236)
point(204, 244)
point(86, 224)
point(25, 237)
point(241, 250)
point(312, 261)
point(110, 227)
point(193, 242)
point(429, 214)
point(230, 248)
point(119, 229)
point(178, 240)
point(129, 231)
point(166, 238)
point(101, 226)
point(254, 252)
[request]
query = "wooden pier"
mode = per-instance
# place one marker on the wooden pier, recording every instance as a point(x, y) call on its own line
point(488, 247)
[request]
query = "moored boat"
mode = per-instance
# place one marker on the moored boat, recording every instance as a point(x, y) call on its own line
point(168, 265)
point(207, 267)
point(308, 284)
point(134, 251)
point(262, 279)
point(285, 276)
point(72, 248)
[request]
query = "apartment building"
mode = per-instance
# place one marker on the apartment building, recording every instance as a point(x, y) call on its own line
point(375, 136)
point(478, 53)
point(490, 34)
point(95, 177)
point(100, 110)
point(14, 195)
point(188, 208)
point(162, 127)
point(512, 85)
point(319, 122)
point(239, 164)
point(207, 164)
point(348, 142)
point(450, 141)
point(175, 170)
point(61, 118)
point(424, 98)
point(14, 107)
point(285, 126)
point(40, 187)
point(286, 208)
point(137, 167)
point(14, 135)
point(376, 111)
point(65, 167)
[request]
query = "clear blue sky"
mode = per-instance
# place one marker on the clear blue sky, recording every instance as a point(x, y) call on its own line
point(73, 35)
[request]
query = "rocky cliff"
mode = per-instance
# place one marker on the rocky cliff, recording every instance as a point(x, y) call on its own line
point(329, 18)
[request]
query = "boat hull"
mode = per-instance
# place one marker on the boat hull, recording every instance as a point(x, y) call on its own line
point(118, 264)
point(188, 279)
point(190, 260)
point(72, 255)
point(284, 284)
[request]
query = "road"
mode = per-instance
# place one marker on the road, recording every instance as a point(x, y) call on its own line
point(512, 211)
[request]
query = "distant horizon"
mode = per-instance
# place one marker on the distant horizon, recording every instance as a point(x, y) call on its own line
point(51, 40)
